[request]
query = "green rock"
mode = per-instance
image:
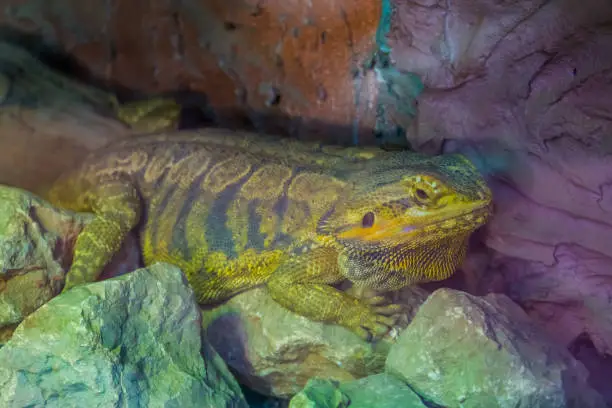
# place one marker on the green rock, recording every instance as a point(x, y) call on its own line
point(381, 391)
point(471, 352)
point(320, 393)
point(376, 391)
point(132, 341)
point(33, 237)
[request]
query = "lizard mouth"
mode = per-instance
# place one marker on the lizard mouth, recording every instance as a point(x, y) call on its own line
point(465, 220)
point(447, 224)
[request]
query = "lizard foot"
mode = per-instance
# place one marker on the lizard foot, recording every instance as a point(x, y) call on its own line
point(374, 318)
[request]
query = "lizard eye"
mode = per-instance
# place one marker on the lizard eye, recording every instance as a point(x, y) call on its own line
point(421, 194)
point(368, 220)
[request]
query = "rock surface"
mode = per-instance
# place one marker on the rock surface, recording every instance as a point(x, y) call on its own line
point(380, 391)
point(495, 76)
point(276, 352)
point(304, 69)
point(48, 121)
point(36, 243)
point(135, 340)
point(466, 351)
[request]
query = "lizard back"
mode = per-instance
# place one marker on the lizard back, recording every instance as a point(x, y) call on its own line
point(203, 196)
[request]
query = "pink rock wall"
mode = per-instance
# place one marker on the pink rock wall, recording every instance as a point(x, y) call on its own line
point(536, 78)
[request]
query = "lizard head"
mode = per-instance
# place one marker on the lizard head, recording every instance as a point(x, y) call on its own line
point(409, 215)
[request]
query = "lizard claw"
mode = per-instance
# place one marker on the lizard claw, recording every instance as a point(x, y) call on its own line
point(376, 318)
point(375, 300)
point(381, 306)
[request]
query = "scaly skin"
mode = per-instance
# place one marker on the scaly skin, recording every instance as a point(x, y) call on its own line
point(239, 212)
point(149, 115)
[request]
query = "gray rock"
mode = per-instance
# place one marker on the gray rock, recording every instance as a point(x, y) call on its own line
point(466, 351)
point(276, 352)
point(132, 341)
point(36, 243)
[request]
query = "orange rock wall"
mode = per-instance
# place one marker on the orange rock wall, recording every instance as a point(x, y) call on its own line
point(279, 58)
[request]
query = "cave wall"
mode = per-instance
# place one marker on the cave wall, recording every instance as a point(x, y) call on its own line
point(532, 77)
point(277, 65)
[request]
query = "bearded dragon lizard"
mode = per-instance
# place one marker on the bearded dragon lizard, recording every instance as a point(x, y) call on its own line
point(236, 211)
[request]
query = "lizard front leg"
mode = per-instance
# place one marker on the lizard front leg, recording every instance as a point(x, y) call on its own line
point(302, 285)
point(117, 209)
